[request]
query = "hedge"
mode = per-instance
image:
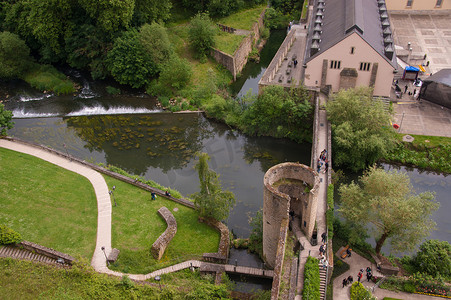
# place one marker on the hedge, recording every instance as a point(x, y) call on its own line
point(330, 210)
point(8, 236)
point(311, 280)
point(359, 292)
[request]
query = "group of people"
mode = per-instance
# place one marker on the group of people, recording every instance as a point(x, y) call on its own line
point(322, 160)
point(153, 195)
point(349, 279)
point(322, 251)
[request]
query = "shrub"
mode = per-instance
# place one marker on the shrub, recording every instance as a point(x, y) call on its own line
point(311, 280)
point(8, 236)
point(202, 33)
point(359, 292)
point(14, 56)
point(408, 287)
point(112, 90)
point(434, 258)
point(330, 210)
point(47, 78)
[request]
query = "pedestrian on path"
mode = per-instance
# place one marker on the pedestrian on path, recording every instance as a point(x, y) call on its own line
point(319, 165)
point(350, 279)
point(368, 276)
point(345, 282)
point(405, 89)
point(359, 276)
point(323, 237)
point(326, 166)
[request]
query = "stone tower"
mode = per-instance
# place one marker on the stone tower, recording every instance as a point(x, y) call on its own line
point(290, 192)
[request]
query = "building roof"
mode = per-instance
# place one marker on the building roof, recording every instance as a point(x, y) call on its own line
point(442, 76)
point(341, 18)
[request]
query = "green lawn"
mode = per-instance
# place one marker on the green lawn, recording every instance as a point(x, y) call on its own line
point(227, 42)
point(243, 19)
point(136, 226)
point(46, 204)
point(433, 141)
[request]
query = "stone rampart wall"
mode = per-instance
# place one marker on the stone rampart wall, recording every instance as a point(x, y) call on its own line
point(224, 244)
point(276, 205)
point(49, 252)
point(165, 238)
point(281, 242)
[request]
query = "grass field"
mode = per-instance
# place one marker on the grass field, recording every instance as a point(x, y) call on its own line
point(243, 19)
point(227, 42)
point(433, 141)
point(46, 204)
point(136, 226)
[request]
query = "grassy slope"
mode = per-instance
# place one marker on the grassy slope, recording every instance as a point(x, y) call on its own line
point(243, 19)
point(46, 204)
point(136, 226)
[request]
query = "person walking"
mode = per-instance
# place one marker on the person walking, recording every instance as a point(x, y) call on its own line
point(350, 279)
point(326, 166)
point(345, 282)
point(405, 89)
point(359, 276)
point(154, 197)
point(319, 165)
point(323, 237)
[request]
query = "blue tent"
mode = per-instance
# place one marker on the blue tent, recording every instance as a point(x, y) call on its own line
point(410, 73)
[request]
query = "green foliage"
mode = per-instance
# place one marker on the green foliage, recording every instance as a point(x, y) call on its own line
point(359, 292)
point(14, 56)
point(148, 11)
point(176, 73)
point(387, 201)
point(361, 128)
point(216, 107)
point(330, 211)
point(154, 38)
point(110, 15)
point(211, 201)
point(8, 236)
point(5, 120)
point(275, 19)
point(207, 291)
point(112, 90)
point(256, 236)
point(434, 258)
point(128, 61)
point(340, 267)
point(262, 295)
point(437, 158)
point(264, 33)
point(311, 279)
point(278, 113)
point(202, 33)
point(47, 78)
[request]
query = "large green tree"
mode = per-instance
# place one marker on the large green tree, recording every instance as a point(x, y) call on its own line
point(386, 201)
point(360, 128)
point(155, 40)
point(14, 56)
point(211, 201)
point(5, 120)
point(128, 62)
point(202, 33)
point(434, 258)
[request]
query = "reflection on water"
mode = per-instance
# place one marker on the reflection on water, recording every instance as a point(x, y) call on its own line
point(162, 147)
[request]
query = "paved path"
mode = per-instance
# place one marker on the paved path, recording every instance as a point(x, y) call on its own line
point(101, 190)
point(357, 262)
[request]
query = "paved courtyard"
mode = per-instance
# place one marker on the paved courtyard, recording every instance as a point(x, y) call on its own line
point(428, 32)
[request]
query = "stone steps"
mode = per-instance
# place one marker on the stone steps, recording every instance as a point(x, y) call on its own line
point(323, 281)
point(18, 253)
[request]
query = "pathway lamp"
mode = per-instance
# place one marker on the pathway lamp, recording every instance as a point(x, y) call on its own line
point(106, 257)
point(112, 194)
point(158, 279)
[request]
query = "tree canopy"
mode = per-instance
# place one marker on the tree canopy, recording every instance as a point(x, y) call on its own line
point(360, 128)
point(5, 120)
point(386, 201)
point(14, 55)
point(434, 258)
point(202, 33)
point(211, 201)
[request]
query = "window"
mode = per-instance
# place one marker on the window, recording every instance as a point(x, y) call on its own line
point(365, 66)
point(352, 50)
point(439, 3)
point(335, 64)
point(409, 3)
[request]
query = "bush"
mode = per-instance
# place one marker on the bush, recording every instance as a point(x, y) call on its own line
point(8, 236)
point(359, 292)
point(176, 73)
point(14, 56)
point(408, 287)
point(112, 90)
point(434, 258)
point(311, 280)
point(202, 33)
point(47, 78)
point(330, 210)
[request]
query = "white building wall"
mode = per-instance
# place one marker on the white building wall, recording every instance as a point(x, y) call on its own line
point(363, 52)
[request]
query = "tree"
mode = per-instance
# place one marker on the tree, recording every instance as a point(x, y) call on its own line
point(155, 41)
point(434, 258)
point(176, 73)
point(148, 11)
point(5, 120)
point(14, 56)
point(128, 62)
point(202, 33)
point(361, 128)
point(211, 201)
point(387, 201)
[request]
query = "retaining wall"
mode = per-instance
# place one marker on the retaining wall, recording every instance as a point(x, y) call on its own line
point(277, 278)
point(32, 247)
point(165, 238)
point(224, 244)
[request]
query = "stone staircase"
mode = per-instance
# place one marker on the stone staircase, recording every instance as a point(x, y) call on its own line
point(18, 253)
point(322, 282)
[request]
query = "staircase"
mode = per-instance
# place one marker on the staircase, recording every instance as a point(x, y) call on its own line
point(322, 281)
point(18, 253)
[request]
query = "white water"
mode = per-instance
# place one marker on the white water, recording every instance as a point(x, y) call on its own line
point(86, 92)
point(24, 98)
point(121, 110)
point(86, 111)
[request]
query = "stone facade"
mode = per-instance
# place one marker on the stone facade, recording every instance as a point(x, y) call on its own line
point(163, 240)
point(289, 188)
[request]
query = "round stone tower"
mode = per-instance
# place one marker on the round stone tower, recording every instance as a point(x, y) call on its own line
point(290, 192)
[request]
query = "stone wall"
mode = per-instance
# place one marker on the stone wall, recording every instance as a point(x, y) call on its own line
point(224, 244)
point(276, 204)
point(348, 78)
point(236, 62)
point(49, 252)
point(165, 238)
point(280, 253)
